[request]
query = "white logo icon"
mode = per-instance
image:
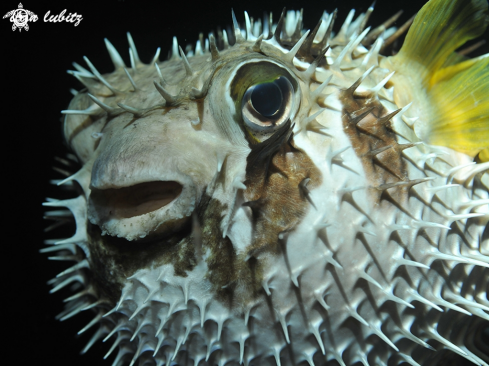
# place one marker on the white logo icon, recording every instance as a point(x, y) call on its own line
point(20, 17)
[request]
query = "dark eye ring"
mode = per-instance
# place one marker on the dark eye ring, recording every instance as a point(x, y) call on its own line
point(266, 106)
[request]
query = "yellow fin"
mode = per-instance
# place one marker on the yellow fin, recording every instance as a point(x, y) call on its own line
point(461, 93)
point(484, 155)
point(454, 58)
point(439, 29)
point(450, 92)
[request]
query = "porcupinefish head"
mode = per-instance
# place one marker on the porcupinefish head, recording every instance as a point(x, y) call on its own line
point(295, 198)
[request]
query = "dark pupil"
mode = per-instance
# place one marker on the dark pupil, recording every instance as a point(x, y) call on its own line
point(266, 99)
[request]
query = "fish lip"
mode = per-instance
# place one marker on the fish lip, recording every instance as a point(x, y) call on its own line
point(137, 200)
point(144, 208)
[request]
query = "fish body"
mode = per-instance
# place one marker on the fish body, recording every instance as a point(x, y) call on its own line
point(295, 198)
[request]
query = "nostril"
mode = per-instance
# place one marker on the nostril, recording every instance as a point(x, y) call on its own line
point(135, 200)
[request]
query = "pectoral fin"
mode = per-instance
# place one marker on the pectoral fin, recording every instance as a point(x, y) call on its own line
point(451, 93)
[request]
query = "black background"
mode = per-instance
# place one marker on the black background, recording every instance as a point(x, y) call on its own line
point(36, 87)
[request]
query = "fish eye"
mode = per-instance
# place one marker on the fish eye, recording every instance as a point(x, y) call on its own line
point(266, 98)
point(266, 106)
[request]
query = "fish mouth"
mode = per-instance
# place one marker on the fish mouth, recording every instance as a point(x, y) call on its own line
point(142, 210)
point(136, 200)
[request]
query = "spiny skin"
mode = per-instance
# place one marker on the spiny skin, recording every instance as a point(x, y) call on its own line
point(337, 238)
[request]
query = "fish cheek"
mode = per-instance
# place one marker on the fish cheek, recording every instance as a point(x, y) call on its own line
point(276, 196)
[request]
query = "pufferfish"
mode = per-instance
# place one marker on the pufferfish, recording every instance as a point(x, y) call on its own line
point(293, 199)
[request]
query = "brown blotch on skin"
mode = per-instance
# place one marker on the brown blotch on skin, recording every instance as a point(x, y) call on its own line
point(275, 197)
point(113, 259)
point(367, 124)
point(227, 270)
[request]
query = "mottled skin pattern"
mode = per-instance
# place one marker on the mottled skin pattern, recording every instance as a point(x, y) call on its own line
point(337, 238)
